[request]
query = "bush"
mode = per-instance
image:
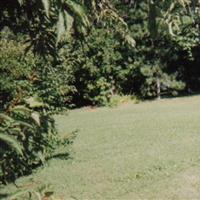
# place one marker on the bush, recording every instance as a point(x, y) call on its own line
point(117, 100)
point(54, 85)
point(27, 138)
point(96, 67)
point(158, 82)
point(16, 72)
point(27, 128)
point(25, 74)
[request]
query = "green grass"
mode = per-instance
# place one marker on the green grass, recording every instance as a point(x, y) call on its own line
point(149, 150)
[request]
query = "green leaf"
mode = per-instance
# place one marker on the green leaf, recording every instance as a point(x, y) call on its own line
point(36, 117)
point(78, 12)
point(35, 102)
point(12, 143)
point(22, 110)
point(21, 2)
point(46, 5)
point(4, 117)
point(130, 40)
point(24, 124)
point(60, 26)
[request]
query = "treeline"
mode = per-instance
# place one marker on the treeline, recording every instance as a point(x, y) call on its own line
point(166, 57)
point(91, 70)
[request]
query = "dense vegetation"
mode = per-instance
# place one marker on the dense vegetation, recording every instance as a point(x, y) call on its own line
point(59, 54)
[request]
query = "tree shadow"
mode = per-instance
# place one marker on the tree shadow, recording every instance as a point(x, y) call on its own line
point(62, 156)
point(3, 196)
point(184, 94)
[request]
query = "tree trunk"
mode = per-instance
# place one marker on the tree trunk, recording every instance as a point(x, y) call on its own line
point(158, 88)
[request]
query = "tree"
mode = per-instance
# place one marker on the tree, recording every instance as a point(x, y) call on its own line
point(50, 22)
point(159, 29)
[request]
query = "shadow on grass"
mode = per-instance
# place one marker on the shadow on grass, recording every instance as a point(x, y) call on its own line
point(62, 156)
point(3, 196)
point(184, 94)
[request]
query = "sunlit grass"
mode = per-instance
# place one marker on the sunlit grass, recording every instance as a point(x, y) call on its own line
point(145, 150)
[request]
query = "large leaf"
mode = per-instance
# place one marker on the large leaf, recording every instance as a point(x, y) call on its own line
point(60, 26)
point(78, 13)
point(46, 5)
point(12, 143)
point(35, 102)
point(36, 117)
point(22, 110)
point(5, 118)
point(21, 2)
point(130, 40)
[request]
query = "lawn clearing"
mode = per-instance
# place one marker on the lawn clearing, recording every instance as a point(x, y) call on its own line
point(149, 150)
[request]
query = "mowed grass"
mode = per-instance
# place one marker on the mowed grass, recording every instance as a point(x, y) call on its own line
point(149, 150)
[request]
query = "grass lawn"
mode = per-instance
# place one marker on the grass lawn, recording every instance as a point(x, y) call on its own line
point(149, 150)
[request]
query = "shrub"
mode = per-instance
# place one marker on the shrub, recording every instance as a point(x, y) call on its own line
point(25, 74)
point(54, 85)
point(27, 129)
point(157, 82)
point(117, 100)
point(27, 137)
point(98, 92)
point(96, 67)
point(16, 72)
